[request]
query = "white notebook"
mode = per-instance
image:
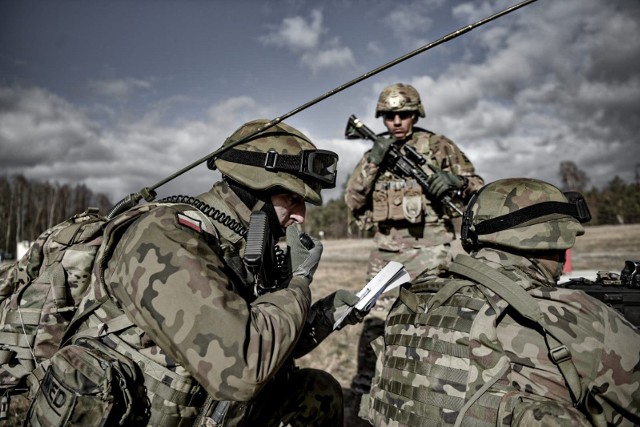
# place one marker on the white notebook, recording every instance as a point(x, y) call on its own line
point(390, 277)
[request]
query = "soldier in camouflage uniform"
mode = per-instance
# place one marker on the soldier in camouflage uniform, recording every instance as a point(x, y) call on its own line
point(511, 371)
point(411, 226)
point(178, 273)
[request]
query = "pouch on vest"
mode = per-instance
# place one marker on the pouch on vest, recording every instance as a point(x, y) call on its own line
point(412, 203)
point(533, 411)
point(89, 384)
point(395, 195)
point(380, 205)
point(39, 295)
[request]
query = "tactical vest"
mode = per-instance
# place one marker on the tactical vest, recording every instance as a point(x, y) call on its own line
point(440, 362)
point(402, 199)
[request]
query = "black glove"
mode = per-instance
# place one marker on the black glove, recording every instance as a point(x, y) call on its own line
point(305, 252)
point(380, 147)
point(333, 306)
point(441, 183)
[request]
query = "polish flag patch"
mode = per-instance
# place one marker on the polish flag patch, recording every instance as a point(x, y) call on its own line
point(194, 224)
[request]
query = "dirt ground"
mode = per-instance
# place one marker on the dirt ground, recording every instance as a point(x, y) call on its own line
point(344, 264)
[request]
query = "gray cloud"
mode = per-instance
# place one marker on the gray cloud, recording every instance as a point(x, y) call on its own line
point(305, 38)
point(45, 138)
point(38, 127)
point(541, 95)
point(296, 33)
point(119, 89)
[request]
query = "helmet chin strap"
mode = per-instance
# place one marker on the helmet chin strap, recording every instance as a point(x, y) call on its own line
point(258, 201)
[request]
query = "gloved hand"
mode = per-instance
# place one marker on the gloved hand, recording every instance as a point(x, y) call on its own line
point(333, 306)
point(305, 252)
point(380, 147)
point(442, 182)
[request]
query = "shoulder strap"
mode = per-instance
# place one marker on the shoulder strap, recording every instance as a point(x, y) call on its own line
point(527, 306)
point(500, 284)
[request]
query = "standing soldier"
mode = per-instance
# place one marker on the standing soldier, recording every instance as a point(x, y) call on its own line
point(412, 225)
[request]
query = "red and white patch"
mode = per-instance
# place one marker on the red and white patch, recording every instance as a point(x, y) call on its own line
point(194, 224)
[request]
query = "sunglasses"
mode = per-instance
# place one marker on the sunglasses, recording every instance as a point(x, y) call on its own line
point(391, 115)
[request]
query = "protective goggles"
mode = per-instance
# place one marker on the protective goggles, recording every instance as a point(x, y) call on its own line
point(317, 165)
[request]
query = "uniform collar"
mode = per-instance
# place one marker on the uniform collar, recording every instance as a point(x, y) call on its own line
point(226, 201)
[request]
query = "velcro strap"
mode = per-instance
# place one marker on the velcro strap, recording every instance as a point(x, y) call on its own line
point(17, 340)
point(22, 317)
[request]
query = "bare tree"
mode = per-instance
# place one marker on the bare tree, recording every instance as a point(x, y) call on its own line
point(573, 178)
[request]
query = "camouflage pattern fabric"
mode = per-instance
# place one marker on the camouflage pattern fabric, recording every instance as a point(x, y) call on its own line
point(172, 281)
point(399, 97)
point(39, 295)
point(530, 389)
point(505, 196)
point(434, 227)
point(423, 246)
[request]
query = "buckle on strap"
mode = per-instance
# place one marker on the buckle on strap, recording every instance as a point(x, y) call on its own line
point(560, 354)
point(270, 160)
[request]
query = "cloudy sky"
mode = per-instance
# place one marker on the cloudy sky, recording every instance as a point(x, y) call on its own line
point(118, 95)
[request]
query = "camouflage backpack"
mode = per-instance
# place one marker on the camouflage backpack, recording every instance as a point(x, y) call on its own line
point(440, 362)
point(95, 375)
point(106, 371)
point(39, 295)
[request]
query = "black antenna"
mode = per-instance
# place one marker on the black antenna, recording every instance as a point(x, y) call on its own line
point(149, 194)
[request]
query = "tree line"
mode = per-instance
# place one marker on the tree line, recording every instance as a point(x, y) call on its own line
point(28, 207)
point(616, 203)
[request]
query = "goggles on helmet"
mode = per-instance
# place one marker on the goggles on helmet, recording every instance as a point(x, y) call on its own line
point(317, 165)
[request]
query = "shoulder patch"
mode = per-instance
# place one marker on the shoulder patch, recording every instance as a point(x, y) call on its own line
point(186, 221)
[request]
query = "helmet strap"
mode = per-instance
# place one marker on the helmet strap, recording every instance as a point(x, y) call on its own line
point(258, 201)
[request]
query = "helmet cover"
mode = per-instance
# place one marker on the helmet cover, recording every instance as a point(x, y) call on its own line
point(399, 97)
point(543, 226)
point(281, 138)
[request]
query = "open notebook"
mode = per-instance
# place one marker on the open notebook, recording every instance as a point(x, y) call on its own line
point(390, 277)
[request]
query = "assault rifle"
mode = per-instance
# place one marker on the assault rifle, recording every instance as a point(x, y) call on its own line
point(619, 291)
point(403, 164)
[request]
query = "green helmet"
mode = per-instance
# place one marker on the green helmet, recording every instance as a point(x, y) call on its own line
point(399, 97)
point(524, 214)
point(278, 157)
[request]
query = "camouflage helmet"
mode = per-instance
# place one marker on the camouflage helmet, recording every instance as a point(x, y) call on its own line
point(524, 214)
point(399, 97)
point(278, 157)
